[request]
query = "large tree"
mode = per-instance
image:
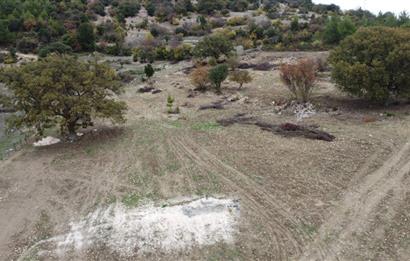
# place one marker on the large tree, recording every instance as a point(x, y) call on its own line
point(374, 63)
point(62, 91)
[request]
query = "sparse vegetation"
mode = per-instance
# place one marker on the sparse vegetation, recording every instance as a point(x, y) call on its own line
point(113, 192)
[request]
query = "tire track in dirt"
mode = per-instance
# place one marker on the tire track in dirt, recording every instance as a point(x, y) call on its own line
point(358, 206)
point(288, 238)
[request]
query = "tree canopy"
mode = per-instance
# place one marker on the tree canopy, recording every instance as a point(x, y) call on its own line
point(62, 91)
point(374, 63)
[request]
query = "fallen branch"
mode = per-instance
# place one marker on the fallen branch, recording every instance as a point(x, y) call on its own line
point(214, 105)
point(286, 129)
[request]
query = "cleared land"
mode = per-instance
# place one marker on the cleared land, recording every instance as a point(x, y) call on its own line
point(299, 198)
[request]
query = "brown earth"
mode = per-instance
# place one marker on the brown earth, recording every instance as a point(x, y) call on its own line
point(300, 199)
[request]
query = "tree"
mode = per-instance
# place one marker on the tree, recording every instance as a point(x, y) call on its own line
point(149, 71)
point(374, 63)
point(5, 34)
point(62, 91)
point(337, 29)
point(217, 75)
point(300, 78)
point(86, 37)
point(213, 46)
point(241, 77)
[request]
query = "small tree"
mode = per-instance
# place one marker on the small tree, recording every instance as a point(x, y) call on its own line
point(170, 105)
point(86, 37)
point(300, 78)
point(241, 77)
point(62, 91)
point(200, 78)
point(149, 71)
point(217, 75)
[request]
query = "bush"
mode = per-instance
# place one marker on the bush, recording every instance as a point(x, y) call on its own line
point(56, 47)
point(213, 46)
point(200, 78)
point(27, 45)
point(374, 63)
point(217, 75)
point(300, 78)
point(241, 77)
point(237, 20)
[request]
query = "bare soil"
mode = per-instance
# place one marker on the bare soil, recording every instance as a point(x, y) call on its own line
point(300, 199)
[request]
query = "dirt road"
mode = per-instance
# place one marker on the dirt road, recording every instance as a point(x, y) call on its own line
point(338, 235)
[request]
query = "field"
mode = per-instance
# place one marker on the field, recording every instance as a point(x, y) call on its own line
point(299, 199)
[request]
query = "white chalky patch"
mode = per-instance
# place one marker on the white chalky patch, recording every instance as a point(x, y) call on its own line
point(128, 231)
point(46, 142)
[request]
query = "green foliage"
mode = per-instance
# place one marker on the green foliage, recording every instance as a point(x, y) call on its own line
point(149, 71)
point(210, 6)
point(86, 37)
point(56, 47)
point(374, 63)
point(62, 91)
point(217, 75)
point(337, 29)
point(27, 44)
point(170, 105)
point(213, 46)
point(5, 35)
point(127, 8)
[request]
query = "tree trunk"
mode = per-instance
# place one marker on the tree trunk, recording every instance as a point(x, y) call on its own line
point(72, 133)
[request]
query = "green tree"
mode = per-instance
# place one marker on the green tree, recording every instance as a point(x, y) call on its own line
point(86, 37)
point(374, 63)
point(337, 29)
point(149, 71)
point(217, 75)
point(213, 46)
point(5, 35)
point(62, 91)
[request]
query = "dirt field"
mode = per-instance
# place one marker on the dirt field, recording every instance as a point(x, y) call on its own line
point(299, 199)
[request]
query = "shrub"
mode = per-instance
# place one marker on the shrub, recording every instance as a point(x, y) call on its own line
point(56, 47)
point(213, 46)
point(241, 77)
point(200, 78)
point(217, 75)
point(27, 45)
point(237, 20)
point(374, 63)
point(300, 78)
